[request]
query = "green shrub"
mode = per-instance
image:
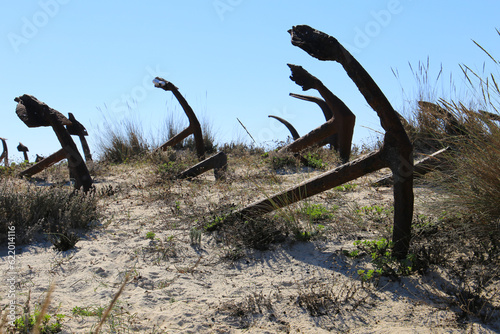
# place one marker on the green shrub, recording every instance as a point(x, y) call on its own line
point(52, 210)
point(313, 160)
point(316, 212)
point(239, 148)
point(48, 324)
point(376, 213)
point(380, 252)
point(346, 187)
point(89, 311)
point(279, 160)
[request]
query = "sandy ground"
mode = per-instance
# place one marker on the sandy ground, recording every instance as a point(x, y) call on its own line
point(177, 287)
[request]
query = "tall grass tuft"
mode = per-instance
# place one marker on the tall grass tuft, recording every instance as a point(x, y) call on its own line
point(474, 179)
point(122, 143)
point(472, 175)
point(174, 125)
point(463, 241)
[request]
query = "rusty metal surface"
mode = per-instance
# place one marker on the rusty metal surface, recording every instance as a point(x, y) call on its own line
point(216, 162)
point(44, 163)
point(24, 149)
point(76, 128)
point(194, 127)
point(395, 153)
point(320, 133)
point(31, 111)
point(332, 140)
point(335, 109)
point(40, 114)
point(323, 182)
point(290, 127)
point(5, 154)
point(421, 167)
point(397, 148)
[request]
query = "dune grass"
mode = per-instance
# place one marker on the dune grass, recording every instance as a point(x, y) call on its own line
point(119, 144)
point(472, 130)
point(126, 141)
point(463, 241)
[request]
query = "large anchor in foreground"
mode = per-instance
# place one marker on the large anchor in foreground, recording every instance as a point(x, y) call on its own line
point(395, 153)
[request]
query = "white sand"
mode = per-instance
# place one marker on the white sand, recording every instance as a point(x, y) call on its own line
point(193, 290)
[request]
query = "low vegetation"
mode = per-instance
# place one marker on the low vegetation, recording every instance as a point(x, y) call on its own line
point(58, 212)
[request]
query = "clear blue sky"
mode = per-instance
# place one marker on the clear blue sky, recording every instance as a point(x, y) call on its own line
point(228, 58)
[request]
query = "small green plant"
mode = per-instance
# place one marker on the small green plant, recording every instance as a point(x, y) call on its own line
point(49, 324)
point(89, 311)
point(214, 223)
point(385, 264)
point(376, 213)
point(150, 235)
point(313, 160)
point(177, 207)
point(346, 187)
point(354, 253)
point(169, 169)
point(317, 212)
point(368, 275)
point(7, 171)
point(424, 225)
point(280, 161)
point(303, 235)
point(195, 236)
point(308, 235)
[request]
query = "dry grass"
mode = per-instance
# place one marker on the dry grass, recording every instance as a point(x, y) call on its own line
point(119, 144)
point(463, 240)
point(472, 167)
point(126, 141)
point(251, 177)
point(55, 211)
